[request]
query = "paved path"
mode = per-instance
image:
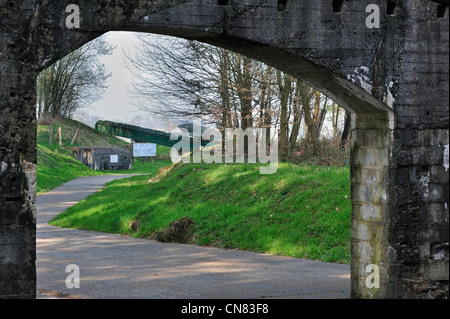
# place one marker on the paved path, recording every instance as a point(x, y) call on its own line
point(115, 266)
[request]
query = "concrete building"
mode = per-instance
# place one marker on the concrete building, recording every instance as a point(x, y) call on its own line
point(104, 158)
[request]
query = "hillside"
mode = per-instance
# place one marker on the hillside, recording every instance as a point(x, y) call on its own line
point(88, 135)
point(301, 211)
point(57, 165)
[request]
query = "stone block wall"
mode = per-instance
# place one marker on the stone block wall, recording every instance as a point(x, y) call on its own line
point(371, 166)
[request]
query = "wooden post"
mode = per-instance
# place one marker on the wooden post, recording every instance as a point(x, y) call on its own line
point(60, 136)
point(79, 135)
point(75, 136)
point(50, 133)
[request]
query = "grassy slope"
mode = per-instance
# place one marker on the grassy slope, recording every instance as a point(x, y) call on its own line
point(57, 165)
point(301, 211)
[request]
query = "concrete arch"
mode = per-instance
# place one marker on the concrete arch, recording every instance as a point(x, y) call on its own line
point(331, 68)
point(371, 72)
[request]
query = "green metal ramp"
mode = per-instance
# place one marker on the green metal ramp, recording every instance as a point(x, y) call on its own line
point(139, 134)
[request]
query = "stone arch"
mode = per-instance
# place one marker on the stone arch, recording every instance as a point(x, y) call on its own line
point(331, 50)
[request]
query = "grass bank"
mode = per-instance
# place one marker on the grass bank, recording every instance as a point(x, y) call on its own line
point(57, 165)
point(301, 211)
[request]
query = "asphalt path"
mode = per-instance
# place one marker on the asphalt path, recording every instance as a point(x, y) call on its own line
point(113, 266)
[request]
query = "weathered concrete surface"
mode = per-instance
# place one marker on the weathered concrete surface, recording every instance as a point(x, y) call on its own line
point(114, 266)
point(394, 79)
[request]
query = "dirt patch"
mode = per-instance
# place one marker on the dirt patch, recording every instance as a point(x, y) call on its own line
point(135, 226)
point(48, 294)
point(163, 171)
point(179, 231)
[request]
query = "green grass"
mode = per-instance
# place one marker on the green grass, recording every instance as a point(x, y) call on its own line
point(141, 168)
point(301, 211)
point(88, 135)
point(57, 165)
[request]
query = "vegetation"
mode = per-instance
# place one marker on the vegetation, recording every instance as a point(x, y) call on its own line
point(191, 79)
point(57, 165)
point(73, 82)
point(301, 211)
point(88, 136)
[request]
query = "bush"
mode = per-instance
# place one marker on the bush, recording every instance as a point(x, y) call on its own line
point(328, 153)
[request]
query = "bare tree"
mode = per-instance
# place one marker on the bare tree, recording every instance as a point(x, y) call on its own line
point(336, 111)
point(188, 79)
point(177, 77)
point(306, 95)
point(73, 82)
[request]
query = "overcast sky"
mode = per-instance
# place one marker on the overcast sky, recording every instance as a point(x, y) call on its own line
point(117, 103)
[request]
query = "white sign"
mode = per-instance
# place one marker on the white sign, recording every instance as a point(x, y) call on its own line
point(114, 158)
point(144, 149)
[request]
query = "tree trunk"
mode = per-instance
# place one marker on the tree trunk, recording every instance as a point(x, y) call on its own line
point(224, 94)
point(322, 116)
point(246, 95)
point(336, 123)
point(346, 131)
point(284, 85)
point(312, 132)
point(297, 118)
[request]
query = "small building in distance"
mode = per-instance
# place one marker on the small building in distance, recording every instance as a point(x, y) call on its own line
point(104, 158)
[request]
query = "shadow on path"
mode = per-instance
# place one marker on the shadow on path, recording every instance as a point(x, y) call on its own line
point(115, 266)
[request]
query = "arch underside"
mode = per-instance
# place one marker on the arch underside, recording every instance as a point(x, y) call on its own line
point(341, 90)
